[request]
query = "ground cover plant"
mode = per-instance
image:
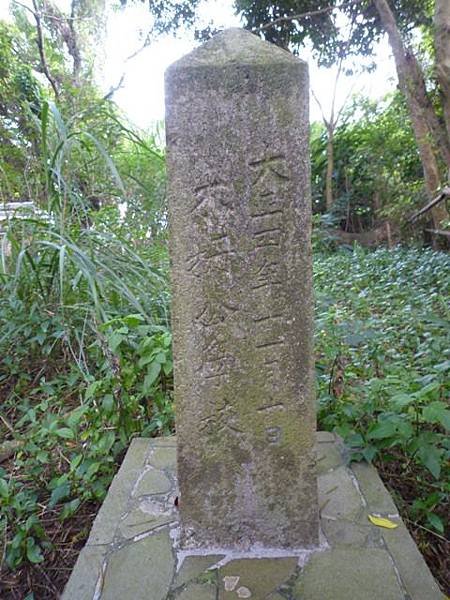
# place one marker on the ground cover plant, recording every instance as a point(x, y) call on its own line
point(383, 364)
point(382, 359)
point(85, 344)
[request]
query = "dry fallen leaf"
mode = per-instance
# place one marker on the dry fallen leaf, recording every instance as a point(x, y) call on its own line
point(382, 522)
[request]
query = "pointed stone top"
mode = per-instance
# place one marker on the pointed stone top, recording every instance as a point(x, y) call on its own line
point(235, 46)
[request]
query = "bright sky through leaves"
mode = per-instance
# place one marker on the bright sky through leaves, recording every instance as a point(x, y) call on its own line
point(141, 96)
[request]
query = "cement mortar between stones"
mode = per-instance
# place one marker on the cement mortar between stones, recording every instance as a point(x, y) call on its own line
point(356, 560)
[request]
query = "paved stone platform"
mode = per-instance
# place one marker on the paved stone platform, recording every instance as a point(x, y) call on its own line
point(132, 552)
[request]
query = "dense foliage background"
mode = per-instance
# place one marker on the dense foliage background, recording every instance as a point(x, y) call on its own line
point(85, 342)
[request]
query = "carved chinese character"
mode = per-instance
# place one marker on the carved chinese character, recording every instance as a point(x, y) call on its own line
point(214, 314)
point(270, 182)
point(211, 258)
point(267, 268)
point(213, 203)
point(273, 435)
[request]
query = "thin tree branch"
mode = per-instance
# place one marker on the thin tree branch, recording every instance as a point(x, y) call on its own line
point(65, 27)
point(444, 193)
point(324, 119)
point(299, 17)
point(40, 44)
point(344, 103)
point(24, 6)
point(113, 89)
point(311, 13)
point(45, 15)
point(143, 47)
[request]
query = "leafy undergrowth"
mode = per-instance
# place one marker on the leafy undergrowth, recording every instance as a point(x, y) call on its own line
point(383, 364)
point(383, 359)
point(71, 430)
point(85, 346)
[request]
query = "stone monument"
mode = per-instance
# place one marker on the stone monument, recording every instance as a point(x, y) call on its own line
point(239, 200)
point(237, 152)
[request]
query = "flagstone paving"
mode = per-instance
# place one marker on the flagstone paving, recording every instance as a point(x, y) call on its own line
point(132, 552)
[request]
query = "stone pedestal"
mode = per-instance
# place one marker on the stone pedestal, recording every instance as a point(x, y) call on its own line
point(133, 551)
point(238, 176)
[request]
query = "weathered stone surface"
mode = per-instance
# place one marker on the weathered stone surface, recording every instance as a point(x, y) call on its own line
point(152, 482)
point(414, 572)
point(163, 457)
point(329, 456)
point(239, 200)
point(260, 576)
point(141, 570)
point(346, 533)
point(193, 566)
point(168, 441)
point(377, 498)
point(119, 492)
point(338, 496)
point(349, 574)
point(325, 437)
point(140, 521)
point(86, 573)
point(355, 536)
point(198, 591)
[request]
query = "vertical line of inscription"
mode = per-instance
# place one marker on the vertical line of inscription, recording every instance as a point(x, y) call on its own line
point(267, 216)
point(211, 261)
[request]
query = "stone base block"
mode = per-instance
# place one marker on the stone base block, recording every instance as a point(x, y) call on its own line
point(132, 552)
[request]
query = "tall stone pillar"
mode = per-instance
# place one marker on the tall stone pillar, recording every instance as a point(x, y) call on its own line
point(242, 312)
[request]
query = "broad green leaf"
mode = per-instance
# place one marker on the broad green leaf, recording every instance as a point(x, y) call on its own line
point(115, 340)
point(42, 457)
point(66, 433)
point(161, 357)
point(92, 469)
point(385, 429)
point(76, 461)
point(430, 456)
point(369, 453)
point(69, 508)
point(168, 367)
point(76, 415)
point(91, 389)
point(108, 402)
point(4, 489)
point(59, 493)
point(405, 429)
point(355, 440)
point(145, 360)
point(401, 400)
point(437, 412)
point(427, 389)
point(133, 320)
point(152, 374)
point(436, 522)
point(34, 553)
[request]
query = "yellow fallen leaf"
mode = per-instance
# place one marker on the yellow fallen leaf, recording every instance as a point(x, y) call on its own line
point(382, 522)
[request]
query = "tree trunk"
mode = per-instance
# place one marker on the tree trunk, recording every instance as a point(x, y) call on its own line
point(442, 48)
point(330, 169)
point(411, 82)
point(418, 88)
